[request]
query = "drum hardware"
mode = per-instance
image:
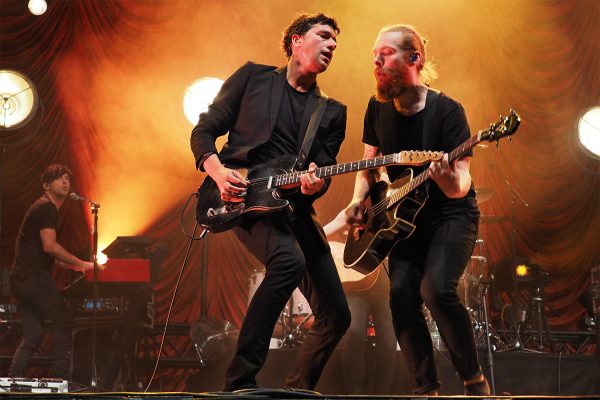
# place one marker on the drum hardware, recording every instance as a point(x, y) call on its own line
point(483, 327)
point(295, 318)
point(533, 316)
point(295, 336)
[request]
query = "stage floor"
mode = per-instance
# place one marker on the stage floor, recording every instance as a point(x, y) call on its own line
point(516, 375)
point(256, 394)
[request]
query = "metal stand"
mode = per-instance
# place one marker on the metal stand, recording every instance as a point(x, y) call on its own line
point(485, 284)
point(288, 338)
point(95, 207)
point(540, 319)
point(292, 335)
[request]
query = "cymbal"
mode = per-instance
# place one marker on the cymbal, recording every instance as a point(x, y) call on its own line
point(492, 219)
point(484, 193)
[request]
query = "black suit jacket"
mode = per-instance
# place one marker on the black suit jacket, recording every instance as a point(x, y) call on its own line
point(247, 107)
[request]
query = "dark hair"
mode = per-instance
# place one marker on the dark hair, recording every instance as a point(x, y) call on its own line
point(55, 171)
point(303, 24)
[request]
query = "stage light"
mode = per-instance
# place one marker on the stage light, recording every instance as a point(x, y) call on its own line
point(37, 7)
point(101, 258)
point(18, 99)
point(522, 270)
point(198, 96)
point(588, 131)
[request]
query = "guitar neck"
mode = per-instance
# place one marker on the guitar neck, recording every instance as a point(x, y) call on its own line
point(401, 192)
point(323, 172)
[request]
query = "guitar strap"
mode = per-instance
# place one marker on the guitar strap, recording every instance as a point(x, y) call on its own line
point(432, 118)
point(431, 121)
point(311, 130)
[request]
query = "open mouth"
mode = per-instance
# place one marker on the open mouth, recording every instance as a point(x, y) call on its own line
point(328, 55)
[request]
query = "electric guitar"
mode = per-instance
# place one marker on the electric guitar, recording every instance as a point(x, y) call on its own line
point(392, 209)
point(268, 182)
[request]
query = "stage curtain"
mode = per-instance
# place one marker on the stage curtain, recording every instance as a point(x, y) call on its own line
point(540, 58)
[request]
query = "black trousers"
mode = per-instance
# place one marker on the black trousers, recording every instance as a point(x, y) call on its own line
point(374, 302)
point(39, 299)
point(426, 268)
point(295, 253)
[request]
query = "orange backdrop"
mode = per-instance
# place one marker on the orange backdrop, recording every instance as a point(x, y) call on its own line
point(111, 76)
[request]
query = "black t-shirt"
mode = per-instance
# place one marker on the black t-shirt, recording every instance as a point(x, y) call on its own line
point(30, 257)
point(391, 132)
point(284, 139)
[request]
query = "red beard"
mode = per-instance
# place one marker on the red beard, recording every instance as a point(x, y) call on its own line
point(388, 86)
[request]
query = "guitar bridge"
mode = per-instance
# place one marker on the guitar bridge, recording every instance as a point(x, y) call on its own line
point(226, 209)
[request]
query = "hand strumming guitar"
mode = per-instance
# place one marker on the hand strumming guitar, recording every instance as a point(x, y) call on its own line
point(232, 185)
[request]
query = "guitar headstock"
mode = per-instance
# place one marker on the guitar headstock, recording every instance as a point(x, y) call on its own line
point(505, 126)
point(416, 158)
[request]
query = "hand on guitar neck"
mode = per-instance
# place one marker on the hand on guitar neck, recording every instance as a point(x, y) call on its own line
point(453, 178)
point(309, 183)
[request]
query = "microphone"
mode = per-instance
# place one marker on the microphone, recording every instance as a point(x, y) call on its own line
point(75, 196)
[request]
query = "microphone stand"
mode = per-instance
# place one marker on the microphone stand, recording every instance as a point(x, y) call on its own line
point(94, 207)
point(514, 195)
point(484, 287)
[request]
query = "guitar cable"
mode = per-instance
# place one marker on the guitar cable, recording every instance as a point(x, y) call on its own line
point(181, 219)
point(181, 270)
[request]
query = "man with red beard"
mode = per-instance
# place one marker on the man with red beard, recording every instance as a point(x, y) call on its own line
point(265, 111)
point(405, 114)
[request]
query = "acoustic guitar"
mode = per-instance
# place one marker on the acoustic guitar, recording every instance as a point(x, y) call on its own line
point(391, 209)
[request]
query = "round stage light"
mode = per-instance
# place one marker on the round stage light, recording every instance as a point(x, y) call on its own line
point(198, 96)
point(101, 258)
point(588, 131)
point(37, 7)
point(18, 99)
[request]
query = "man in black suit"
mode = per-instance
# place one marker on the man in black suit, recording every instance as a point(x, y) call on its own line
point(265, 110)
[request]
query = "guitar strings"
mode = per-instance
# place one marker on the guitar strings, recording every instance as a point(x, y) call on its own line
point(377, 162)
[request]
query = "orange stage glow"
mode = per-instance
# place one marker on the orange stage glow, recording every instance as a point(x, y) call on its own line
point(522, 270)
point(134, 153)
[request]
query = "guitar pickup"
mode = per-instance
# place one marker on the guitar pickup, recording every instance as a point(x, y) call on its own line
point(226, 209)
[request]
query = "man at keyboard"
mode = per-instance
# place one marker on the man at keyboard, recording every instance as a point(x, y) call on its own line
point(38, 298)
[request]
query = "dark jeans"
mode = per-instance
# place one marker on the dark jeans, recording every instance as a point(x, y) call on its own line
point(291, 252)
point(375, 302)
point(426, 268)
point(39, 299)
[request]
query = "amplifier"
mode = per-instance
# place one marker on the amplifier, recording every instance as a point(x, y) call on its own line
point(104, 306)
point(33, 385)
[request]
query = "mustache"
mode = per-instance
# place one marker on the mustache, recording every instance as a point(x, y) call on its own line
point(390, 72)
point(389, 89)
